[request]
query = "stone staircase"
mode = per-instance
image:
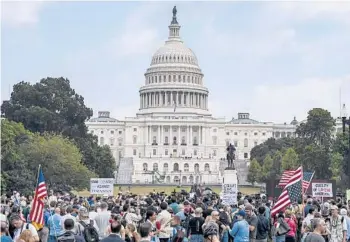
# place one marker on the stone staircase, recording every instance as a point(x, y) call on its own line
point(125, 171)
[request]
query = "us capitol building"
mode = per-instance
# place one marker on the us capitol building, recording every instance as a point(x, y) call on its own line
point(174, 139)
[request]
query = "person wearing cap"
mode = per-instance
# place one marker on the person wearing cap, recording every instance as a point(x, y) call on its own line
point(337, 226)
point(240, 230)
point(252, 220)
point(85, 219)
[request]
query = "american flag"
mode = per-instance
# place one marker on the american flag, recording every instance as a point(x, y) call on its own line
point(307, 177)
point(286, 175)
point(291, 192)
point(37, 211)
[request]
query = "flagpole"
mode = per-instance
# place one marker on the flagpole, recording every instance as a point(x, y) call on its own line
point(35, 190)
point(302, 192)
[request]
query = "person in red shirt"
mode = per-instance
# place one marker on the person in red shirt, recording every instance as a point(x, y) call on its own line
point(291, 221)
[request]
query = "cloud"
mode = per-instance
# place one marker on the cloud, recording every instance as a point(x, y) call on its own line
point(138, 36)
point(298, 98)
point(19, 13)
point(301, 11)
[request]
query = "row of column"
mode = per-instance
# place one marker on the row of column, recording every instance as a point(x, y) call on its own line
point(169, 98)
point(189, 135)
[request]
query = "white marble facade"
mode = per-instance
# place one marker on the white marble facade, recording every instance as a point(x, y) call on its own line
point(174, 138)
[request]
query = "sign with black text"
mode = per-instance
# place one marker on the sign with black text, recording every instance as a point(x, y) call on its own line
point(322, 190)
point(102, 186)
point(229, 194)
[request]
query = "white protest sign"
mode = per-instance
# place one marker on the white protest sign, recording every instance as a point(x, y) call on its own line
point(322, 190)
point(229, 194)
point(101, 186)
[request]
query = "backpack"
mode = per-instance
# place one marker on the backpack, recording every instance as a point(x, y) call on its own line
point(283, 228)
point(66, 237)
point(123, 220)
point(185, 223)
point(90, 233)
point(179, 236)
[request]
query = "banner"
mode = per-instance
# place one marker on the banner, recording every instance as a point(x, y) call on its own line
point(322, 190)
point(102, 186)
point(229, 194)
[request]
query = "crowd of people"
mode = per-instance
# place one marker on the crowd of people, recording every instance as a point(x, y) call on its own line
point(195, 217)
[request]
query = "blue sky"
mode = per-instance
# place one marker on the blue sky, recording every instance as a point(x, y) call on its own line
point(275, 60)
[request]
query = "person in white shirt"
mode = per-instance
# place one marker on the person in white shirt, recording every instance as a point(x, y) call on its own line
point(21, 226)
point(68, 215)
point(102, 220)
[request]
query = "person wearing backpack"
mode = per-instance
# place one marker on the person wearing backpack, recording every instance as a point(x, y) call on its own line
point(87, 227)
point(178, 233)
point(263, 225)
point(69, 235)
point(195, 232)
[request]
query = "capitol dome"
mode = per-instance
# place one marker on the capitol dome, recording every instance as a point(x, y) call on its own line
point(174, 80)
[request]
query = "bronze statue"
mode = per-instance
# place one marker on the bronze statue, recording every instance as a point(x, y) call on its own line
point(230, 155)
point(174, 12)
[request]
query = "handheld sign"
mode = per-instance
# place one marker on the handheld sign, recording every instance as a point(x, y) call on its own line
point(102, 186)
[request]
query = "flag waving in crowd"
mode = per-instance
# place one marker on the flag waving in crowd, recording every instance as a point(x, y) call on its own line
point(37, 212)
point(291, 193)
point(286, 175)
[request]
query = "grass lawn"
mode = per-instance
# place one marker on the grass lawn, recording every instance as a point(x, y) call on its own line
point(144, 190)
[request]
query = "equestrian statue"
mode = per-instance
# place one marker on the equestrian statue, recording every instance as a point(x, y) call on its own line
point(230, 155)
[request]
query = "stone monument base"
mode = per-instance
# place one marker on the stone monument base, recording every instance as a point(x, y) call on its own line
point(230, 176)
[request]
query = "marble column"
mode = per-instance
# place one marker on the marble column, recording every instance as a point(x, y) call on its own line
point(161, 99)
point(171, 135)
point(179, 137)
point(191, 141)
point(188, 135)
point(158, 139)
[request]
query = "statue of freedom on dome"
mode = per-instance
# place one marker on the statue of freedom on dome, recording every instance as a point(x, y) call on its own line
point(174, 12)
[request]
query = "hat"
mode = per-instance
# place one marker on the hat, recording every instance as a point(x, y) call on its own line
point(343, 212)
point(83, 212)
point(241, 213)
point(334, 207)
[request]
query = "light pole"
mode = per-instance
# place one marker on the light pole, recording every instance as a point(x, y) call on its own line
point(346, 121)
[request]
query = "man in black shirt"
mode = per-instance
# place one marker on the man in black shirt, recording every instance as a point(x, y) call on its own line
point(208, 211)
point(195, 226)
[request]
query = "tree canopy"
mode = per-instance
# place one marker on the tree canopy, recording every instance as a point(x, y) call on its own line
point(315, 148)
point(24, 151)
point(51, 105)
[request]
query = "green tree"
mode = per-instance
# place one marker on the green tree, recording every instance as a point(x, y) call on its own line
point(266, 171)
point(316, 158)
point(13, 136)
point(270, 147)
point(290, 160)
point(318, 127)
point(60, 160)
point(23, 151)
point(51, 105)
point(254, 172)
point(336, 165)
point(277, 161)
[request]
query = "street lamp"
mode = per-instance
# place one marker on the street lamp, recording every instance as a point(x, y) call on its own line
point(346, 121)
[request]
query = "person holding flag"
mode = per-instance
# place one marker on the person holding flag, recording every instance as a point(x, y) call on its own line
point(36, 215)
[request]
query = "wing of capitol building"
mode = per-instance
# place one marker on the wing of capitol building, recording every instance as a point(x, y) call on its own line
point(174, 139)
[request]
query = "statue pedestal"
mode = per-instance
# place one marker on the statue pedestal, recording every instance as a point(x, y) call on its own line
point(229, 187)
point(230, 176)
